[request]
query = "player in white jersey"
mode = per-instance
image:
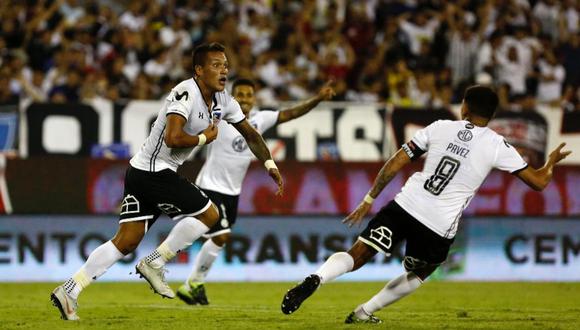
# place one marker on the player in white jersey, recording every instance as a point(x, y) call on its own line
point(460, 154)
point(188, 118)
point(221, 176)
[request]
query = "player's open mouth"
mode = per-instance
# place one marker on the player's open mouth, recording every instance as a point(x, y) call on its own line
point(223, 81)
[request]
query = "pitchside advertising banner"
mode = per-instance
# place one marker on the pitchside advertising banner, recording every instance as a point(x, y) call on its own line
point(289, 248)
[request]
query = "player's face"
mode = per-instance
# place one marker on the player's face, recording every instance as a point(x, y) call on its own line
point(215, 71)
point(244, 94)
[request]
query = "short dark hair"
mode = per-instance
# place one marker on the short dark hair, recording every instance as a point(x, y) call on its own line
point(481, 101)
point(200, 52)
point(243, 82)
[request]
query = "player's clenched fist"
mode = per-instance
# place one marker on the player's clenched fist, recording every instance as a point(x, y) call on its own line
point(210, 133)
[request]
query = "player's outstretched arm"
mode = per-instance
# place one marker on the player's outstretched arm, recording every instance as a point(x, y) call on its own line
point(386, 174)
point(326, 93)
point(175, 136)
point(538, 179)
point(261, 151)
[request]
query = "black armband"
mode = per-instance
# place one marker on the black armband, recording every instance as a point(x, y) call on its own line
point(412, 150)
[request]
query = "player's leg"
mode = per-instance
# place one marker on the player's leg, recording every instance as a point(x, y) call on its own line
point(397, 288)
point(65, 296)
point(425, 251)
point(377, 237)
point(181, 236)
point(196, 214)
point(193, 290)
point(135, 217)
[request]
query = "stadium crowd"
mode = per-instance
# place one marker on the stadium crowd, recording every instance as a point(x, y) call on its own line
point(408, 53)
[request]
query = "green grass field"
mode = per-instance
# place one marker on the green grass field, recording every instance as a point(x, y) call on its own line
point(437, 305)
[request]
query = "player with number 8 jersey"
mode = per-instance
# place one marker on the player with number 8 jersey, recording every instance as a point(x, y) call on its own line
point(426, 213)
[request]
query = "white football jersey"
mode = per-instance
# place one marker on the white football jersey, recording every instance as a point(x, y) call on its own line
point(459, 157)
point(228, 157)
point(186, 100)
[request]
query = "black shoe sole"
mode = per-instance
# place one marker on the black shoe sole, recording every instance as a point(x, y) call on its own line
point(57, 304)
point(186, 299)
point(296, 296)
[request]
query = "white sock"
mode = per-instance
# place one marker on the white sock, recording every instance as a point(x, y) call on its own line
point(338, 264)
point(96, 265)
point(204, 260)
point(185, 232)
point(396, 289)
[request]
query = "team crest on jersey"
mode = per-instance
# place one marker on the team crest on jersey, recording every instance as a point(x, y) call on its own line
point(168, 208)
point(130, 205)
point(239, 144)
point(382, 236)
point(465, 135)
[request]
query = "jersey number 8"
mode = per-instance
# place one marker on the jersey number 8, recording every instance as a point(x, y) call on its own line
point(443, 174)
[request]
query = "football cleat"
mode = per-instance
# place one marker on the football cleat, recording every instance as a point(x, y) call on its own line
point(193, 295)
point(66, 305)
point(353, 319)
point(295, 296)
point(156, 278)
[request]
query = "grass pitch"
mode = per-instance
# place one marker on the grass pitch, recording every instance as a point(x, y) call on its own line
point(436, 305)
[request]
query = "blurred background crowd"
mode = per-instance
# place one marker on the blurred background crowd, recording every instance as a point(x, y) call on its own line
point(409, 53)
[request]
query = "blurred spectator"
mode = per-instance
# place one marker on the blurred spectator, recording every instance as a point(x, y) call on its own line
point(421, 28)
point(512, 70)
point(551, 77)
point(376, 50)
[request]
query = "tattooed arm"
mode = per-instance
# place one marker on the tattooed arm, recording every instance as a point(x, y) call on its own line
point(386, 174)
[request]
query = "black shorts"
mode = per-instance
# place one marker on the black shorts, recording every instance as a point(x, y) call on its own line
point(228, 209)
point(148, 194)
point(392, 224)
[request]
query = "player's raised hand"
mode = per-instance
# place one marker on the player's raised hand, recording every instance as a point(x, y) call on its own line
point(557, 154)
point(275, 175)
point(327, 91)
point(356, 216)
point(211, 133)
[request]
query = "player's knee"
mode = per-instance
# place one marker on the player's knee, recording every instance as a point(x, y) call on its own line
point(222, 239)
point(421, 268)
point(129, 236)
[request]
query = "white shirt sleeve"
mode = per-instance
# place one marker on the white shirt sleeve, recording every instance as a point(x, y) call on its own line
point(269, 119)
point(423, 136)
point(508, 159)
point(233, 112)
point(180, 102)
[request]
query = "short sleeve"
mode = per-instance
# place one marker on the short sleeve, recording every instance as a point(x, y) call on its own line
point(422, 137)
point(269, 119)
point(233, 112)
point(180, 102)
point(508, 159)
point(419, 144)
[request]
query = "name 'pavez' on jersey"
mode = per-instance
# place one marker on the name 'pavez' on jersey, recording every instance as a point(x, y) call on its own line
point(185, 100)
point(229, 155)
point(459, 158)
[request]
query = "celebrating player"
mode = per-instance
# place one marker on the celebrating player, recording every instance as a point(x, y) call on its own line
point(188, 118)
point(460, 154)
point(222, 174)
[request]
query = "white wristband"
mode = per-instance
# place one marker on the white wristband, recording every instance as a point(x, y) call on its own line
point(269, 164)
point(368, 199)
point(201, 139)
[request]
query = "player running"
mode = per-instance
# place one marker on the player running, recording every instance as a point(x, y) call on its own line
point(460, 154)
point(152, 185)
point(224, 170)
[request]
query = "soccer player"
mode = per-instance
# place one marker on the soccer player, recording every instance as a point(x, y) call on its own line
point(188, 118)
point(224, 170)
point(460, 154)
